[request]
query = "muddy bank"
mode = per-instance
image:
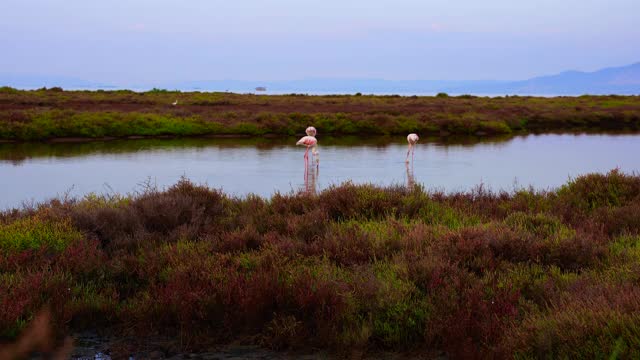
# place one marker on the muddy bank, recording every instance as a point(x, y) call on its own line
point(89, 345)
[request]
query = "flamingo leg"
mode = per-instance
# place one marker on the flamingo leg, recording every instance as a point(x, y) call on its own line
point(306, 176)
point(413, 151)
point(408, 151)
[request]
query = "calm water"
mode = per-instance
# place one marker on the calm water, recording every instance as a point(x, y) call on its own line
point(36, 172)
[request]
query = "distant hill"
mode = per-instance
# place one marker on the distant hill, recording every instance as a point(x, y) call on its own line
point(615, 80)
point(624, 80)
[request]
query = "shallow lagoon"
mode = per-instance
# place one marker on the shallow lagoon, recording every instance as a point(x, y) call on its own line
point(34, 172)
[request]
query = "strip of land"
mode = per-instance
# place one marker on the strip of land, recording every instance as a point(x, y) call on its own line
point(54, 113)
point(356, 268)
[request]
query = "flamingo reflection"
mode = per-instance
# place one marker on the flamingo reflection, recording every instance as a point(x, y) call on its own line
point(411, 180)
point(311, 172)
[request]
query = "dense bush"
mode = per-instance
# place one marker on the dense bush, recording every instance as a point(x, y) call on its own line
point(357, 267)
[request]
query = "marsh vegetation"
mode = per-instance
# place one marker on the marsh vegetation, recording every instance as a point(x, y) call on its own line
point(353, 268)
point(54, 113)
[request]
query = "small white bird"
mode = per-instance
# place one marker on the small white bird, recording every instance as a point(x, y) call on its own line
point(174, 103)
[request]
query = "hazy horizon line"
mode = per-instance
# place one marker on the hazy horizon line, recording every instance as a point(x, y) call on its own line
point(320, 78)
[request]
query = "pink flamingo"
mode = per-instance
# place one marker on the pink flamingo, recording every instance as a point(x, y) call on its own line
point(311, 131)
point(311, 143)
point(412, 139)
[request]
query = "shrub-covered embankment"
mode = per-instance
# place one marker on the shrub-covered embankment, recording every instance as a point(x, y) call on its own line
point(536, 274)
point(53, 113)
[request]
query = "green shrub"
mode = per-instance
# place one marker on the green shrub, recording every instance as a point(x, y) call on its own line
point(589, 192)
point(494, 127)
point(158, 91)
point(8, 90)
point(35, 233)
point(541, 225)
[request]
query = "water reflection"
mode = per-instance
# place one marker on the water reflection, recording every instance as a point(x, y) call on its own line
point(17, 153)
point(311, 172)
point(38, 171)
point(411, 180)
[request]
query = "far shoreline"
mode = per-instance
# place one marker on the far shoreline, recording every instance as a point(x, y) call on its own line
point(82, 140)
point(57, 115)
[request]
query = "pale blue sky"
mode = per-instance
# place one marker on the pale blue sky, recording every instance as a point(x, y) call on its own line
point(142, 41)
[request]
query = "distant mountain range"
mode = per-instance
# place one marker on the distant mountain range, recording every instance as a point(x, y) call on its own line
point(623, 80)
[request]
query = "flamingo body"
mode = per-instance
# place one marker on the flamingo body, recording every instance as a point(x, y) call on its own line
point(412, 139)
point(311, 131)
point(309, 142)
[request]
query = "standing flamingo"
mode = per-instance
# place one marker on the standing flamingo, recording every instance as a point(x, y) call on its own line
point(311, 143)
point(311, 131)
point(412, 139)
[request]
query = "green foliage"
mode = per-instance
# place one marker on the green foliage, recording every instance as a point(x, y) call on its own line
point(581, 330)
point(401, 313)
point(594, 191)
point(8, 90)
point(625, 248)
point(494, 127)
point(542, 225)
point(35, 233)
point(158, 91)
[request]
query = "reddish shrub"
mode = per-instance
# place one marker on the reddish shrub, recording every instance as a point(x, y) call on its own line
point(19, 297)
point(348, 246)
point(320, 303)
point(576, 252)
point(481, 249)
point(620, 220)
point(592, 321)
point(356, 267)
point(238, 240)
